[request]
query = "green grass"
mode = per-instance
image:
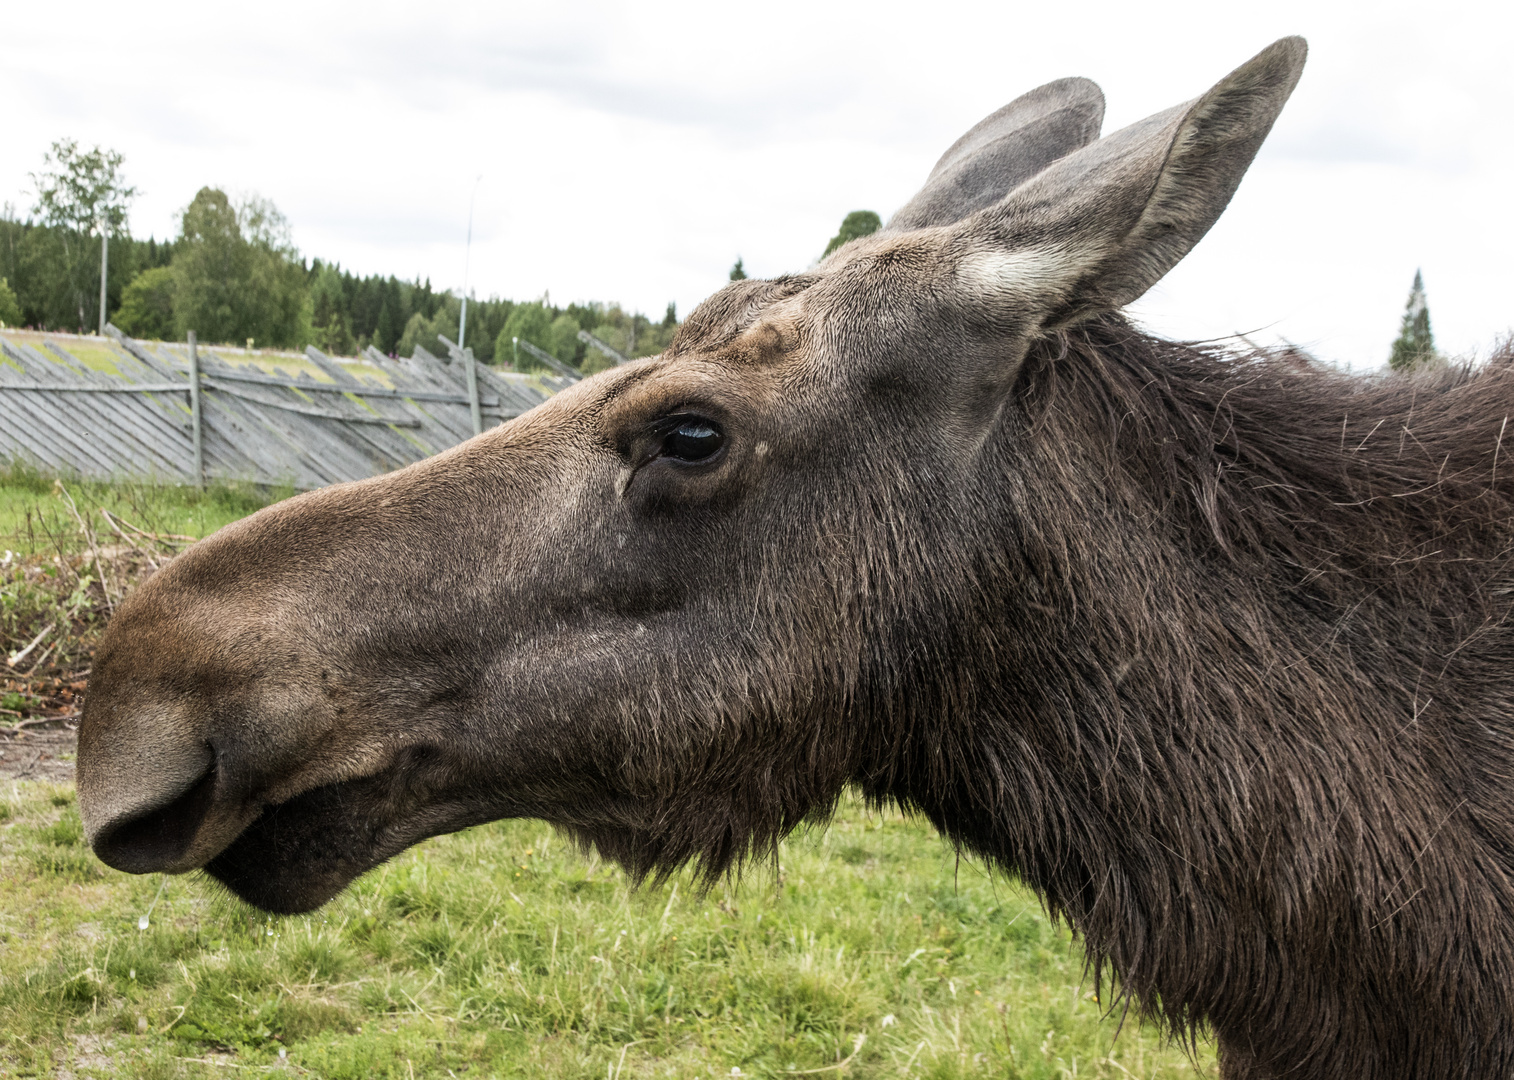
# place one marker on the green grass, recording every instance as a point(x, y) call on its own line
point(35, 518)
point(498, 952)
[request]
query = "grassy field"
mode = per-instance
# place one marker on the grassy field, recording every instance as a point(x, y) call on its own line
point(36, 516)
point(496, 952)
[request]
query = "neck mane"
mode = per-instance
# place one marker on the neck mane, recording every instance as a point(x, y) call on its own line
point(1246, 723)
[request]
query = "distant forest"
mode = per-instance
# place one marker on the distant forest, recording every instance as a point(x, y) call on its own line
point(233, 275)
point(229, 286)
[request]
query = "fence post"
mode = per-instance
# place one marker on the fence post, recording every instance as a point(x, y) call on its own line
point(194, 411)
point(475, 407)
point(104, 263)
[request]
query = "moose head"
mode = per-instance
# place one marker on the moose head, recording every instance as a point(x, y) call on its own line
point(678, 608)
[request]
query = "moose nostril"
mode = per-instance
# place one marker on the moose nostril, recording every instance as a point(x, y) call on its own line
point(157, 839)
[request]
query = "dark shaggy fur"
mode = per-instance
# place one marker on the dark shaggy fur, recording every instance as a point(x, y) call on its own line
point(1265, 767)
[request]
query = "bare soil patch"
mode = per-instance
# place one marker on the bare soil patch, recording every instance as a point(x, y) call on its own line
point(39, 753)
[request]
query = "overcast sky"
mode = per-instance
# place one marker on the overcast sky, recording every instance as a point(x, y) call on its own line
point(631, 151)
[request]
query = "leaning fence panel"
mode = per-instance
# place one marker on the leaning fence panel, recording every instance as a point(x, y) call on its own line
point(322, 422)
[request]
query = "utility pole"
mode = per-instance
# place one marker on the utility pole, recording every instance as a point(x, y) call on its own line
point(462, 322)
point(104, 262)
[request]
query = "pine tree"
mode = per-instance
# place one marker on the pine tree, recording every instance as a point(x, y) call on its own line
point(381, 330)
point(1415, 345)
point(738, 272)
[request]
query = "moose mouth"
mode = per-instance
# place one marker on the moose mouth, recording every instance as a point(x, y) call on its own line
point(298, 854)
point(294, 855)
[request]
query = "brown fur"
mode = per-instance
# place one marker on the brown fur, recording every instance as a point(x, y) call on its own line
point(1212, 649)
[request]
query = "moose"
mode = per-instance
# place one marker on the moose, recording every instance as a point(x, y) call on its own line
point(1210, 646)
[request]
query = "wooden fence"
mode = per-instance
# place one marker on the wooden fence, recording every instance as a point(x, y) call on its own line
point(322, 424)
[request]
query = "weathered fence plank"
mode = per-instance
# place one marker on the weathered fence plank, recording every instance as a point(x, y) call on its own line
point(181, 416)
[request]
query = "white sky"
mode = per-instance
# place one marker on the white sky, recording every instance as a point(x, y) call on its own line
point(630, 151)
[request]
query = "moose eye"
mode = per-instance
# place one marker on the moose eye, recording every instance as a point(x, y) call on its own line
point(693, 439)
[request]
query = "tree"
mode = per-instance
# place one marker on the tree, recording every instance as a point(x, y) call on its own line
point(80, 192)
point(330, 325)
point(487, 317)
point(212, 270)
point(237, 274)
point(278, 291)
point(381, 327)
point(416, 331)
point(1415, 345)
point(146, 309)
point(427, 333)
point(390, 325)
point(564, 336)
point(738, 272)
point(81, 189)
point(35, 261)
point(857, 224)
point(10, 307)
point(530, 322)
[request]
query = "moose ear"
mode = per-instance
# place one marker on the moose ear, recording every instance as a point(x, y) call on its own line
point(1003, 151)
point(1099, 227)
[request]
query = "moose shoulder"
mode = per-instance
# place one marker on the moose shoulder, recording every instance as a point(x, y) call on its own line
point(1212, 650)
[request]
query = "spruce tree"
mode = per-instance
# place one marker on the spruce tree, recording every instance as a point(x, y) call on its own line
point(1415, 345)
point(738, 272)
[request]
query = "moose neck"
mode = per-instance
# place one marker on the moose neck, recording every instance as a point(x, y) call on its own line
point(1236, 617)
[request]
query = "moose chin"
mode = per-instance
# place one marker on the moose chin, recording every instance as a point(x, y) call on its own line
point(1211, 648)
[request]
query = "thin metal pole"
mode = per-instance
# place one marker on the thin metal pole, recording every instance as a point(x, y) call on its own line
point(194, 411)
point(104, 262)
point(462, 322)
point(475, 407)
